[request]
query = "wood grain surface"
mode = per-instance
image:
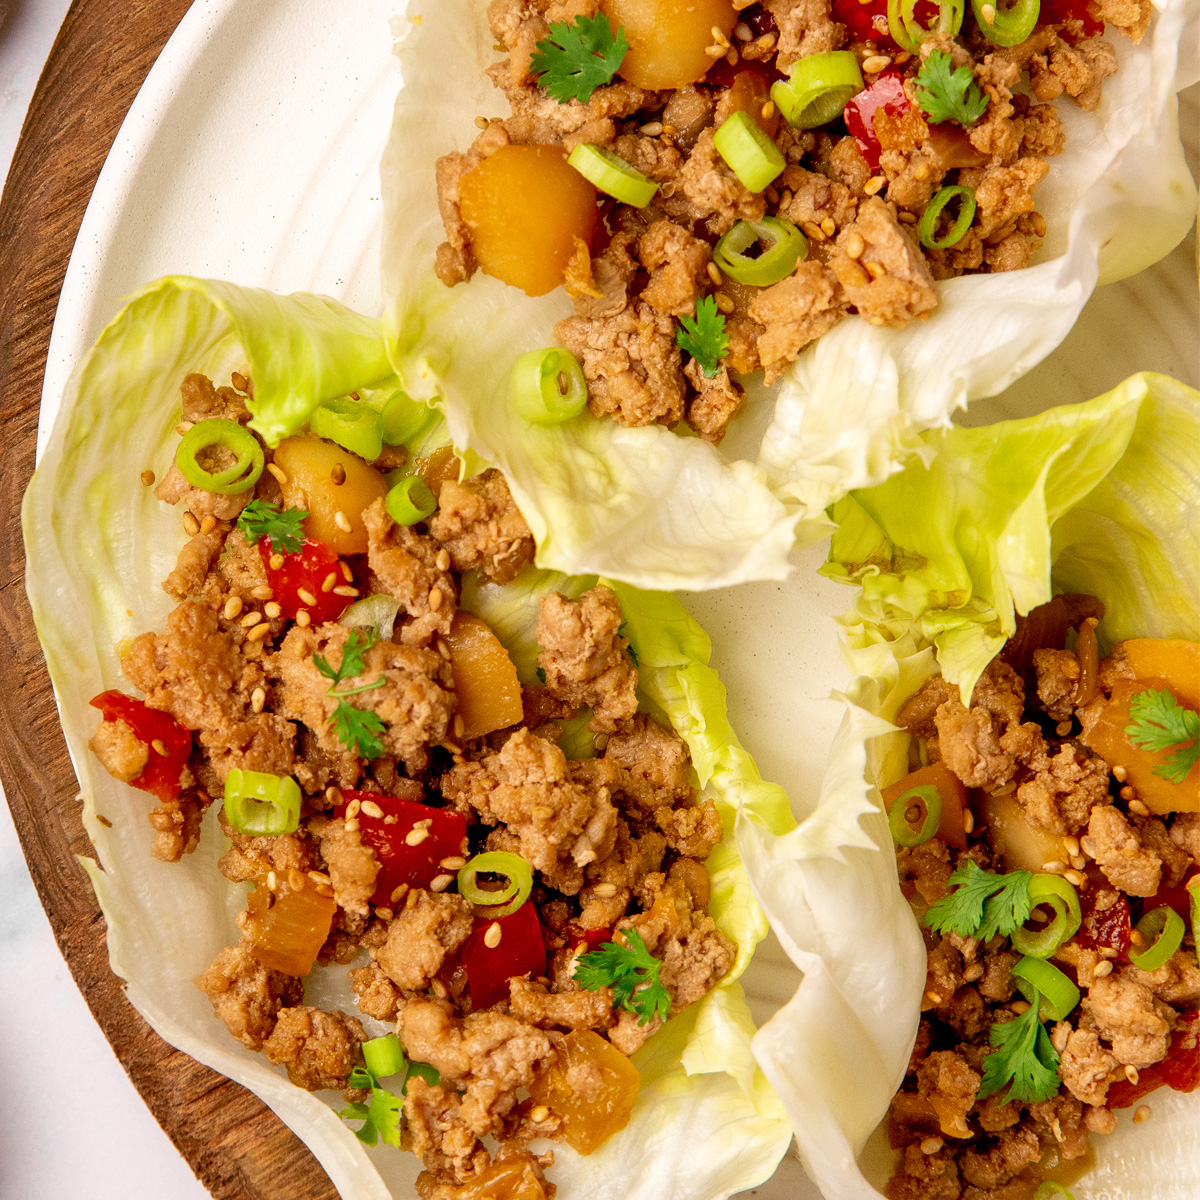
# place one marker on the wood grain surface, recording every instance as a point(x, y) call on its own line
point(239, 1149)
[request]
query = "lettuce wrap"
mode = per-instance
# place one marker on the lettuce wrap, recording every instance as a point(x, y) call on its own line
point(668, 511)
point(98, 544)
point(1102, 497)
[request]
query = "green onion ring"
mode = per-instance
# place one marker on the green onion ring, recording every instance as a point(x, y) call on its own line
point(1058, 994)
point(261, 804)
point(1051, 1189)
point(1193, 887)
point(908, 33)
point(927, 230)
point(351, 424)
point(1058, 894)
point(403, 418)
point(241, 443)
point(749, 153)
point(1008, 26)
point(547, 387)
point(785, 247)
point(509, 898)
point(612, 174)
point(376, 612)
point(410, 501)
point(817, 88)
point(1162, 930)
point(383, 1056)
point(903, 834)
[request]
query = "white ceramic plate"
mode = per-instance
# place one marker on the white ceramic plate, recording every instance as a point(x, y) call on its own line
point(251, 153)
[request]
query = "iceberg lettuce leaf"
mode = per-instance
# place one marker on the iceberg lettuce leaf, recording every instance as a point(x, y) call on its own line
point(666, 511)
point(963, 545)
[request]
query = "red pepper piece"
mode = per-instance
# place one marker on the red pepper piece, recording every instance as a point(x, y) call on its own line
point(162, 773)
point(306, 568)
point(591, 938)
point(886, 93)
point(416, 865)
point(1055, 12)
point(722, 74)
point(1178, 898)
point(520, 951)
point(1180, 1070)
point(1110, 927)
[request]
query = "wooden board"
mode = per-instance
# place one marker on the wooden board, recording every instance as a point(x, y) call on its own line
point(239, 1149)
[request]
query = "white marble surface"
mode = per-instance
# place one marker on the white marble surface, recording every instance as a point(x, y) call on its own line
point(71, 1123)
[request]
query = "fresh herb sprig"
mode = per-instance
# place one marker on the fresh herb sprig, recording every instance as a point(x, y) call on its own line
point(631, 971)
point(261, 518)
point(380, 1114)
point(1023, 1057)
point(981, 904)
point(1160, 722)
point(578, 58)
point(704, 336)
point(949, 95)
point(356, 728)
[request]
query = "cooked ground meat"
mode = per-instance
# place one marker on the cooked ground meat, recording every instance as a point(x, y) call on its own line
point(351, 864)
point(430, 926)
point(483, 529)
point(1126, 863)
point(318, 1048)
point(246, 995)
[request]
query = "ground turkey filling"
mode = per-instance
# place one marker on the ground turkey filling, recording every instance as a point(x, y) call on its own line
point(1019, 737)
point(617, 839)
point(858, 203)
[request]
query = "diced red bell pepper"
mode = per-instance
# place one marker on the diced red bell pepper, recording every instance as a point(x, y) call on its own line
point(1055, 12)
point(590, 938)
point(162, 773)
point(1180, 1070)
point(887, 94)
point(1178, 898)
point(520, 951)
point(392, 834)
point(1110, 927)
point(306, 568)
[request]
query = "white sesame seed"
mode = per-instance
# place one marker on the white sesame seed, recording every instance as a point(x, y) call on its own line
point(931, 1145)
point(491, 938)
point(1131, 1073)
point(1103, 967)
point(371, 809)
point(443, 559)
point(259, 632)
point(414, 837)
point(539, 1114)
point(1138, 808)
point(605, 891)
point(874, 185)
point(855, 245)
point(329, 582)
point(1141, 1114)
point(159, 747)
point(303, 619)
point(279, 473)
point(272, 609)
point(342, 521)
point(233, 606)
point(988, 13)
point(440, 883)
point(876, 63)
point(190, 525)
point(345, 590)
point(258, 699)
point(453, 863)
point(435, 599)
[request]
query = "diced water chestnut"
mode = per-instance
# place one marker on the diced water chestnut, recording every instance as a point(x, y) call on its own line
point(668, 38)
point(485, 680)
point(525, 208)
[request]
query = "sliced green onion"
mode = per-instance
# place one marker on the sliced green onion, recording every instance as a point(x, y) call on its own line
point(782, 247)
point(1053, 891)
point(612, 174)
point(241, 443)
point(1058, 994)
point(361, 1078)
point(751, 155)
point(410, 501)
point(403, 418)
point(1162, 934)
point(376, 612)
point(350, 423)
point(547, 387)
point(908, 33)
point(1193, 887)
point(927, 230)
point(383, 1056)
point(423, 1071)
point(817, 88)
point(903, 833)
point(260, 804)
point(1051, 1189)
point(504, 900)
point(1006, 26)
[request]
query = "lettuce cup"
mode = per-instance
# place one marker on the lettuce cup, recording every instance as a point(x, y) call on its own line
point(418, 692)
point(1025, 1003)
point(685, 270)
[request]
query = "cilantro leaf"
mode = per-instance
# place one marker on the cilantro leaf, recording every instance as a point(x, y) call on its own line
point(261, 518)
point(352, 658)
point(632, 973)
point(1160, 722)
point(704, 336)
point(578, 58)
point(358, 729)
point(1023, 1057)
point(981, 904)
point(946, 95)
point(380, 1116)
